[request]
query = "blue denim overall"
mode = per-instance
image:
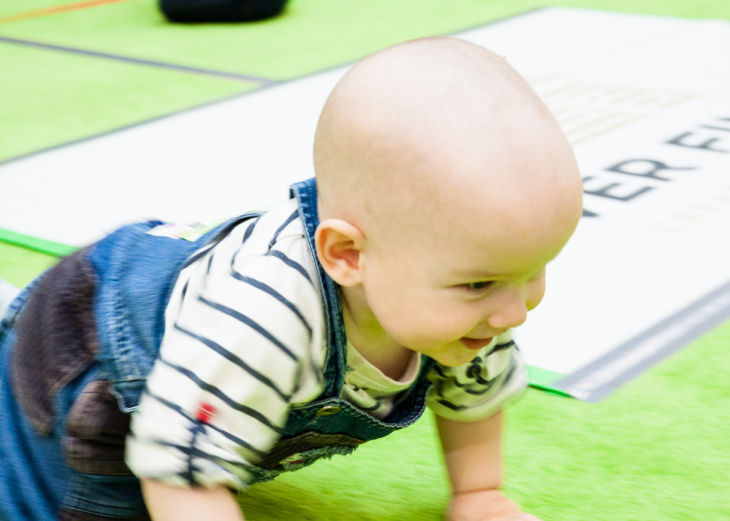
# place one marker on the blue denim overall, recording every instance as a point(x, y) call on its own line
point(136, 273)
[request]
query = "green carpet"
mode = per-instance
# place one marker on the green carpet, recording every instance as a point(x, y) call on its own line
point(52, 97)
point(14, 8)
point(311, 35)
point(19, 265)
point(64, 103)
point(655, 450)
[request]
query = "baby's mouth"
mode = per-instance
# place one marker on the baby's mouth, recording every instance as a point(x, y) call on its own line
point(476, 343)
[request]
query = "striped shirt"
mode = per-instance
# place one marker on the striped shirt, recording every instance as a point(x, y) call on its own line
point(245, 339)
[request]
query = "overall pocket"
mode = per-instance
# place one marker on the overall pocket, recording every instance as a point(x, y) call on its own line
point(56, 338)
point(95, 432)
point(102, 486)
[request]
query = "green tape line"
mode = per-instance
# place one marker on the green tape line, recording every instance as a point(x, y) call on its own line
point(544, 380)
point(56, 249)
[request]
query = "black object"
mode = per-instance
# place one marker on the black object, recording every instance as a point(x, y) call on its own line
point(197, 11)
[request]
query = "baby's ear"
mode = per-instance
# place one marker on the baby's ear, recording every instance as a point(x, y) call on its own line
point(339, 244)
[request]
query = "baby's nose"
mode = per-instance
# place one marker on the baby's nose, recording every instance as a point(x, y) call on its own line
point(511, 313)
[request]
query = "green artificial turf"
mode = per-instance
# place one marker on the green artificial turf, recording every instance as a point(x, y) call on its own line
point(19, 265)
point(15, 8)
point(48, 97)
point(657, 450)
point(318, 33)
point(61, 98)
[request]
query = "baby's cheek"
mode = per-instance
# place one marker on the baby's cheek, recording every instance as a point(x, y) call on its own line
point(422, 331)
point(535, 293)
point(443, 328)
point(424, 320)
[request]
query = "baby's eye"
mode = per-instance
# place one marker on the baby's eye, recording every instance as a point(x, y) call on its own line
point(476, 286)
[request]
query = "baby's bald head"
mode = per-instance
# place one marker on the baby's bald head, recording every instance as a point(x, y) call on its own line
point(445, 188)
point(439, 132)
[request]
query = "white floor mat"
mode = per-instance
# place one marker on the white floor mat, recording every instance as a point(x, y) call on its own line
point(645, 100)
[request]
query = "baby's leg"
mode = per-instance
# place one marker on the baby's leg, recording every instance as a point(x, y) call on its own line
point(8, 292)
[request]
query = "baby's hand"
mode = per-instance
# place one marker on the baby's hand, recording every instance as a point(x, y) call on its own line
point(485, 505)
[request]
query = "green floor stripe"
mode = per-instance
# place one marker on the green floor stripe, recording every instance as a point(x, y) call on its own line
point(56, 249)
point(544, 380)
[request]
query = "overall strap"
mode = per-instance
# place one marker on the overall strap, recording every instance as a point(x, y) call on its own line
point(136, 269)
point(336, 360)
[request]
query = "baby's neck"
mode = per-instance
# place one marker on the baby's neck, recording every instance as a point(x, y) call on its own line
point(371, 341)
point(393, 363)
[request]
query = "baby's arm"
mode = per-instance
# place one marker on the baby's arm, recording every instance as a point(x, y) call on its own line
point(243, 339)
point(173, 503)
point(472, 451)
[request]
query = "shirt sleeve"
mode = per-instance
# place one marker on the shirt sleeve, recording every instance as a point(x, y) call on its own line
point(496, 377)
point(243, 340)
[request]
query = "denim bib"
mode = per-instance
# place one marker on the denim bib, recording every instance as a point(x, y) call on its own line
point(137, 272)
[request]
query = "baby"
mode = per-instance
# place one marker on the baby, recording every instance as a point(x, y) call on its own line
point(443, 189)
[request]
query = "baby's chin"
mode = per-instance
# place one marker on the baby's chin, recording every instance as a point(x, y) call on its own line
point(454, 357)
